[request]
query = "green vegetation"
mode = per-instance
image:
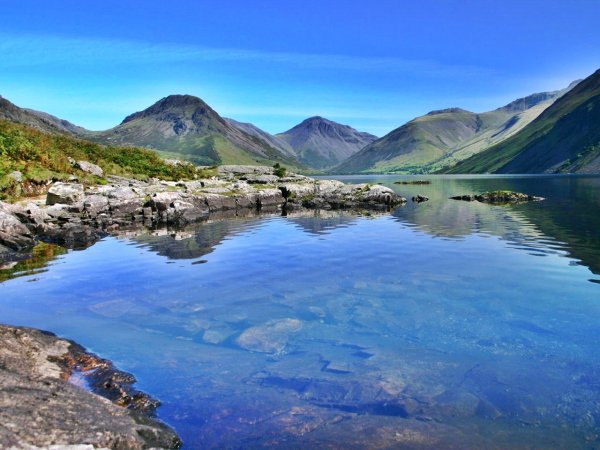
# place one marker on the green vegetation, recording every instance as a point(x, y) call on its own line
point(443, 138)
point(564, 138)
point(42, 157)
point(41, 255)
point(279, 170)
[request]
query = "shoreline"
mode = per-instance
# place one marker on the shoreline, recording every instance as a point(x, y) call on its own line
point(75, 216)
point(41, 407)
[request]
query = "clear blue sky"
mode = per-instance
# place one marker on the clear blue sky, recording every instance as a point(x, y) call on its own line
point(371, 64)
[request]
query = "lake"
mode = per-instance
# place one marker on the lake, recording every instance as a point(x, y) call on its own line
point(445, 324)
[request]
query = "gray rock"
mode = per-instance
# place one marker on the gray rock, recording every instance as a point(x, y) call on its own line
point(95, 204)
point(16, 175)
point(270, 198)
point(38, 408)
point(271, 337)
point(420, 198)
point(65, 194)
point(261, 179)
point(89, 168)
point(178, 207)
point(218, 202)
point(14, 234)
point(123, 201)
point(242, 170)
point(34, 217)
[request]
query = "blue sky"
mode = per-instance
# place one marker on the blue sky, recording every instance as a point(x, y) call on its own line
point(372, 65)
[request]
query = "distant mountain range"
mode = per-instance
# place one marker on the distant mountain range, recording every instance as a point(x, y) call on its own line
point(546, 132)
point(39, 120)
point(184, 126)
point(442, 138)
point(321, 144)
point(564, 138)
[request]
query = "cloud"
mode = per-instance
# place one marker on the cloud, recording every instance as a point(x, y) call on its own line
point(36, 50)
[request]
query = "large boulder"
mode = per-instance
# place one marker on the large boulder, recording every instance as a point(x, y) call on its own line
point(95, 204)
point(40, 409)
point(178, 207)
point(65, 194)
point(124, 201)
point(34, 217)
point(89, 168)
point(270, 199)
point(13, 234)
point(218, 202)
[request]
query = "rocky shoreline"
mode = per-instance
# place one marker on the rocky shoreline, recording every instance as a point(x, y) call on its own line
point(39, 407)
point(76, 216)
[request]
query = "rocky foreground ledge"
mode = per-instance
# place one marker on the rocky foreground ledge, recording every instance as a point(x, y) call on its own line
point(40, 408)
point(74, 215)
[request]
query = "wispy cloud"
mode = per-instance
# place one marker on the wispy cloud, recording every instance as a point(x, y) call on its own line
point(29, 50)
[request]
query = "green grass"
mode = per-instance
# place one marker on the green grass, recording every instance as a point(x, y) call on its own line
point(42, 157)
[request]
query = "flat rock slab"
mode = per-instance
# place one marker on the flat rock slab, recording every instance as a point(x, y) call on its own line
point(270, 337)
point(40, 408)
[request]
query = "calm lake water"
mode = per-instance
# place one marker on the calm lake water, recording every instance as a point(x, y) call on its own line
point(445, 324)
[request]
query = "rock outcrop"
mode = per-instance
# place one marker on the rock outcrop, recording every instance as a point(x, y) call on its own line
point(40, 408)
point(498, 197)
point(76, 216)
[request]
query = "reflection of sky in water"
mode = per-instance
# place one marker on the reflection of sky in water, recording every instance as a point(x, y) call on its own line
point(445, 324)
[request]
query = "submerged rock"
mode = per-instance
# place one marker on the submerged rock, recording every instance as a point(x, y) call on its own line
point(271, 337)
point(413, 182)
point(498, 197)
point(420, 198)
point(39, 407)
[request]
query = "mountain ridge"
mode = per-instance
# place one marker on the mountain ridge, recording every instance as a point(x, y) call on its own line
point(186, 126)
point(444, 137)
point(321, 143)
point(563, 138)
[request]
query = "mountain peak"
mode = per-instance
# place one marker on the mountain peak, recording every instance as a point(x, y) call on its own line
point(181, 105)
point(447, 111)
point(322, 143)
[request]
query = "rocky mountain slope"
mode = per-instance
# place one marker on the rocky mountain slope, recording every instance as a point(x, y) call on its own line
point(185, 126)
point(320, 143)
point(272, 140)
point(564, 138)
point(36, 119)
point(444, 137)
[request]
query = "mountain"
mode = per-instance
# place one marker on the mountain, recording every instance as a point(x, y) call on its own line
point(564, 138)
point(35, 119)
point(270, 139)
point(444, 137)
point(320, 143)
point(185, 126)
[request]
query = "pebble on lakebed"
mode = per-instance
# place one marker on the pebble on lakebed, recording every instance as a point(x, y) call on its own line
point(44, 409)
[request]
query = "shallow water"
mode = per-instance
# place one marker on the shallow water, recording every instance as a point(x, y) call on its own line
point(442, 325)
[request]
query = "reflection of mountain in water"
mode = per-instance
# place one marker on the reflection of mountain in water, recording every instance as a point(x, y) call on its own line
point(568, 220)
point(321, 222)
point(192, 242)
point(200, 239)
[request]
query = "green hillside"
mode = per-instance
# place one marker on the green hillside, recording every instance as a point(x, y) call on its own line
point(41, 157)
point(442, 138)
point(564, 138)
point(183, 126)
